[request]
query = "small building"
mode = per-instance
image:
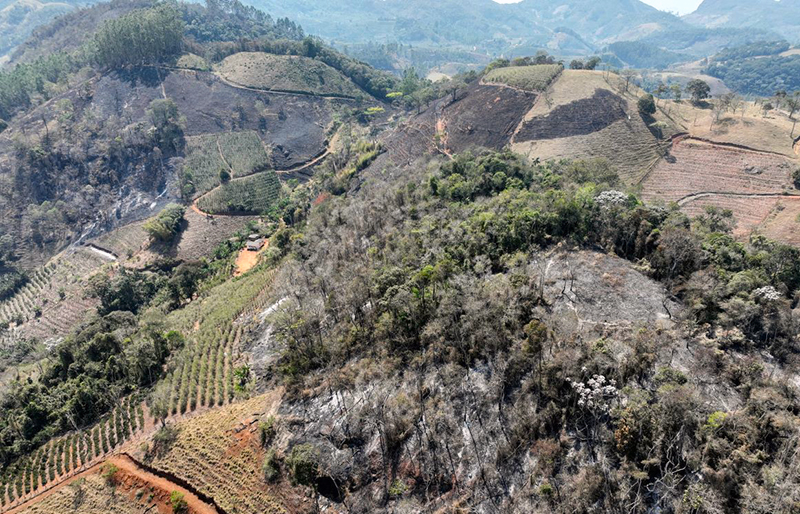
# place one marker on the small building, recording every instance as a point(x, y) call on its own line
point(254, 242)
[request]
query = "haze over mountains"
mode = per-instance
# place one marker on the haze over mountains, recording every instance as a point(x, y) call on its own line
point(578, 27)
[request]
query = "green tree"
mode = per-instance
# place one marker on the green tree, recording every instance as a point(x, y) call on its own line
point(676, 91)
point(166, 225)
point(698, 89)
point(592, 63)
point(145, 36)
point(167, 124)
point(647, 105)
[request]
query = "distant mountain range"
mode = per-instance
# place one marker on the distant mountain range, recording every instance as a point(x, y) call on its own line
point(484, 24)
point(564, 27)
point(782, 16)
point(473, 31)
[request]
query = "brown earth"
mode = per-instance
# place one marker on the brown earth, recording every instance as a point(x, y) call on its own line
point(246, 260)
point(694, 166)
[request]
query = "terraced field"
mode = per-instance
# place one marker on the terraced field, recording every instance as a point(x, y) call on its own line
point(238, 153)
point(203, 164)
point(249, 195)
point(698, 167)
point(530, 78)
point(52, 301)
point(243, 152)
point(219, 454)
point(296, 74)
point(65, 456)
point(204, 375)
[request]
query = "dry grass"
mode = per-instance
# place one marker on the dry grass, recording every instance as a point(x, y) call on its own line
point(695, 166)
point(219, 453)
point(286, 73)
point(529, 78)
point(192, 62)
point(747, 127)
point(749, 212)
point(783, 224)
point(89, 495)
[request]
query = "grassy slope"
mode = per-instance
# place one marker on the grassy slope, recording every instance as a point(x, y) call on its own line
point(628, 144)
point(286, 73)
point(219, 453)
point(90, 495)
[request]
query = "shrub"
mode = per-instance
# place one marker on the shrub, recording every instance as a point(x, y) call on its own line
point(715, 421)
point(796, 178)
point(266, 430)
point(271, 466)
point(178, 502)
point(110, 474)
point(303, 465)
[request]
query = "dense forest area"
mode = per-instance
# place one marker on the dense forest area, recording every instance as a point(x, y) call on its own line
point(453, 279)
point(761, 76)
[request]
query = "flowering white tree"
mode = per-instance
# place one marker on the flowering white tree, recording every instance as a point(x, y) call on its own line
point(595, 397)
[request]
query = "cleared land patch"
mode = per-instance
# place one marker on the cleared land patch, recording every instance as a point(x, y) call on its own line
point(530, 78)
point(486, 116)
point(696, 167)
point(748, 126)
point(748, 211)
point(269, 72)
point(783, 224)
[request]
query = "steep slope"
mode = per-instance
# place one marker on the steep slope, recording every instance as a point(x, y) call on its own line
point(588, 114)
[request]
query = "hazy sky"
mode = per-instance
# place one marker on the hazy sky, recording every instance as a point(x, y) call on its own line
point(681, 6)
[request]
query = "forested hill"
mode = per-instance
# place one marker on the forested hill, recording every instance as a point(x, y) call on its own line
point(782, 16)
point(19, 18)
point(482, 23)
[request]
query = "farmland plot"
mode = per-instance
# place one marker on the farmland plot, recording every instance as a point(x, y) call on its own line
point(694, 167)
point(243, 152)
point(250, 195)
